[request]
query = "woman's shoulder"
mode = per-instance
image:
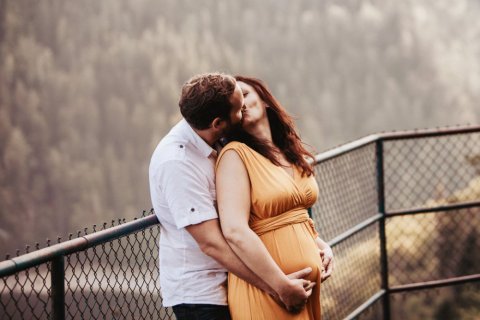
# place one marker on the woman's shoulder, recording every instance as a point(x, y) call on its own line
point(240, 148)
point(236, 145)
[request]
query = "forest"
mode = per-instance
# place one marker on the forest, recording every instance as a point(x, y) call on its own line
point(88, 88)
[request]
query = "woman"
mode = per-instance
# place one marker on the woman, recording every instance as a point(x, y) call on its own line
point(264, 187)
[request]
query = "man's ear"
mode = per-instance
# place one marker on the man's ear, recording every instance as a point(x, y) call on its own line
point(219, 123)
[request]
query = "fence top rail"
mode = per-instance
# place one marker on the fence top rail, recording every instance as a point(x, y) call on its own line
point(425, 133)
point(397, 135)
point(35, 258)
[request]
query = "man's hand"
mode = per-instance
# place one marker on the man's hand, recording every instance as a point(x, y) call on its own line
point(295, 293)
point(301, 274)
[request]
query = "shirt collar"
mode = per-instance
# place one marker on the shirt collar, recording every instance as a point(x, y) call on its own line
point(196, 140)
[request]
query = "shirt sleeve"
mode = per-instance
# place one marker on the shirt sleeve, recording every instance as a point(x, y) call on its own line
point(187, 193)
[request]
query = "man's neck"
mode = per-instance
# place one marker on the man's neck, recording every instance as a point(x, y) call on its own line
point(208, 136)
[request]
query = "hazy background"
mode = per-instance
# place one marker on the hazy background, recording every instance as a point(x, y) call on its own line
point(88, 88)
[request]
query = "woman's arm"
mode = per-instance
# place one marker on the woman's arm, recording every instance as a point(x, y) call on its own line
point(233, 196)
point(326, 254)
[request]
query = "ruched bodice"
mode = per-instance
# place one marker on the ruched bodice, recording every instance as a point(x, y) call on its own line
point(273, 190)
point(278, 215)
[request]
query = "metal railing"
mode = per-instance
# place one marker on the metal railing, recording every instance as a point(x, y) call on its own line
point(401, 211)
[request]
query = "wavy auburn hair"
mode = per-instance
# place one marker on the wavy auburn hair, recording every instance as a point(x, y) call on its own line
point(283, 130)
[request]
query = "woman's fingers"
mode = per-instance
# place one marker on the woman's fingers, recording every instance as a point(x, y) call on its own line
point(327, 260)
point(327, 272)
point(326, 275)
point(309, 287)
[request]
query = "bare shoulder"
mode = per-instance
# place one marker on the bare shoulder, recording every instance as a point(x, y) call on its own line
point(234, 145)
point(232, 151)
point(231, 161)
point(230, 157)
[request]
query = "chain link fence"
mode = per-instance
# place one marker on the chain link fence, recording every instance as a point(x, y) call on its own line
point(437, 176)
point(431, 184)
point(117, 279)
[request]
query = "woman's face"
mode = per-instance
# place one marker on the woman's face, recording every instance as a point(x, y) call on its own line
point(254, 108)
point(236, 100)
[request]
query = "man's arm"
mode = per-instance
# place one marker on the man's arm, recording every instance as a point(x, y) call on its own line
point(187, 193)
point(211, 241)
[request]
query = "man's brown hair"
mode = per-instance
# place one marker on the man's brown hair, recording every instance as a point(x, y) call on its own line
point(205, 97)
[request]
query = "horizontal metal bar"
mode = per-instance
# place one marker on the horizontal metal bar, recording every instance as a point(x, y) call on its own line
point(38, 257)
point(110, 234)
point(365, 305)
point(425, 133)
point(357, 228)
point(447, 207)
point(435, 283)
point(44, 255)
point(386, 136)
point(348, 147)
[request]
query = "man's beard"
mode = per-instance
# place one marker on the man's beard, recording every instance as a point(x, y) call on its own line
point(236, 132)
point(232, 129)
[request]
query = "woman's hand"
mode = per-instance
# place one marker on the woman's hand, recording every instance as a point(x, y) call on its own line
point(327, 258)
point(326, 254)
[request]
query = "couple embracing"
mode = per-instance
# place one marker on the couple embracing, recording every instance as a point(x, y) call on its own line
point(236, 241)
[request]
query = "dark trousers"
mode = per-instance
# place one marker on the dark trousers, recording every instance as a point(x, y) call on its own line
point(201, 312)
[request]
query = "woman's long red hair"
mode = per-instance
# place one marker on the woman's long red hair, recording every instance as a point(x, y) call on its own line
point(283, 130)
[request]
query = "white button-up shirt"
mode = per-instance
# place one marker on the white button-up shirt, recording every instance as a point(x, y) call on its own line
point(182, 188)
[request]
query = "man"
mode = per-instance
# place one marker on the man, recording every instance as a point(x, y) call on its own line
point(194, 256)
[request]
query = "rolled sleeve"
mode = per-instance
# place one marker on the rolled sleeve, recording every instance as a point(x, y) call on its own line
point(187, 193)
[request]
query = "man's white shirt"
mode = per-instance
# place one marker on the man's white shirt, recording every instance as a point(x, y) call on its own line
point(182, 188)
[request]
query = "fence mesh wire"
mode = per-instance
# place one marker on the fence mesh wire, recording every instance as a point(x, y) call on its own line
point(26, 294)
point(347, 191)
point(119, 279)
point(453, 302)
point(433, 246)
point(357, 274)
point(427, 172)
point(348, 196)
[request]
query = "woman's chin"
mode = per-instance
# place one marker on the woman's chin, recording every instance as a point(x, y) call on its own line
point(247, 122)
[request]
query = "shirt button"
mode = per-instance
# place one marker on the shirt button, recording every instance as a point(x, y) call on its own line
point(181, 146)
point(193, 209)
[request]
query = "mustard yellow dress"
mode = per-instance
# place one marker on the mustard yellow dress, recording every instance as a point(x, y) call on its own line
point(279, 216)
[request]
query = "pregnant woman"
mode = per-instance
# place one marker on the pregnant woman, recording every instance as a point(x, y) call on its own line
point(264, 187)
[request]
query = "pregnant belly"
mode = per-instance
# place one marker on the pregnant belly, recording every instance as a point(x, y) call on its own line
point(293, 248)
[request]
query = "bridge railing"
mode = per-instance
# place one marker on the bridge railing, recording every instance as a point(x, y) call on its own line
point(401, 211)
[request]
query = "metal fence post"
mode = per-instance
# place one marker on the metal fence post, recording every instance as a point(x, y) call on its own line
point(58, 288)
point(382, 233)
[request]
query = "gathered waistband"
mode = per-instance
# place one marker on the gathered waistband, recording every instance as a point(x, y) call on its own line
point(294, 216)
